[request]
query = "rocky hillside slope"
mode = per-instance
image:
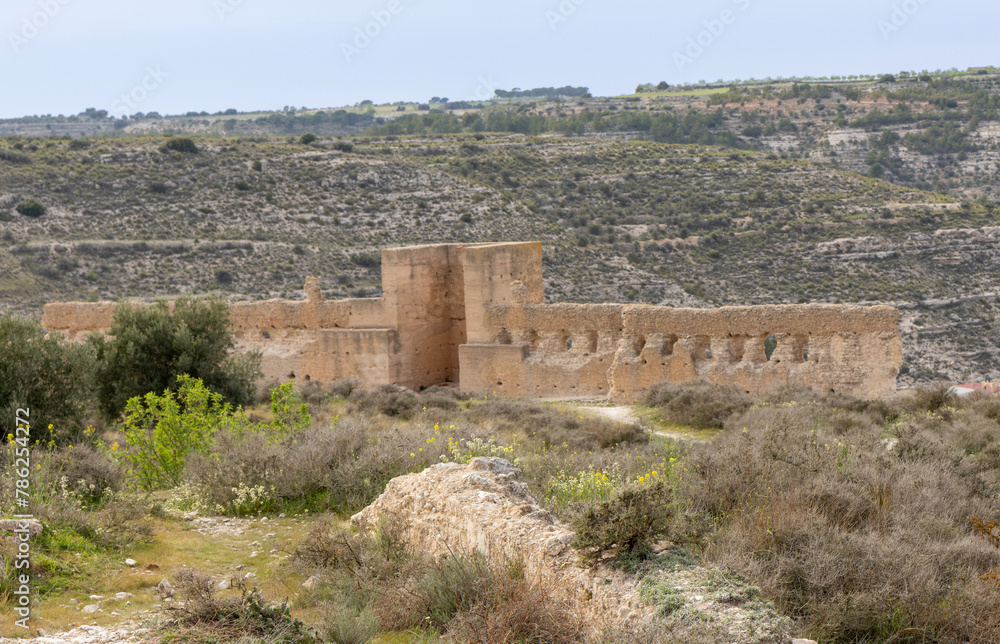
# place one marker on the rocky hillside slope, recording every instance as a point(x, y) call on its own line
point(621, 220)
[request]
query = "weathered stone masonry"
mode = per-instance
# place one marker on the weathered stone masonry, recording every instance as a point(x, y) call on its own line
point(475, 314)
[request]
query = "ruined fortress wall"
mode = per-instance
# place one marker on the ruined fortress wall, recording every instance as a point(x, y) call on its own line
point(418, 294)
point(475, 314)
point(588, 350)
point(77, 319)
point(499, 274)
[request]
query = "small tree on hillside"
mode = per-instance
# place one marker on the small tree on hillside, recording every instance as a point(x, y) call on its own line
point(31, 208)
point(181, 144)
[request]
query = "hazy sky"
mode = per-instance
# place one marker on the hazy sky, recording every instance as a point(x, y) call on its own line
point(62, 56)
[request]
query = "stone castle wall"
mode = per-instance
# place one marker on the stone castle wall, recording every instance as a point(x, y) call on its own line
point(475, 314)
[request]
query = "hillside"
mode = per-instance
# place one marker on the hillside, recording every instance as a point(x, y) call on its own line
point(621, 220)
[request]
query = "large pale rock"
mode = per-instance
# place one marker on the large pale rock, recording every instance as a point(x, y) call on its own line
point(482, 506)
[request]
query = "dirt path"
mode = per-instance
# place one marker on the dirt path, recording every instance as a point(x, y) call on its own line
point(627, 414)
point(621, 413)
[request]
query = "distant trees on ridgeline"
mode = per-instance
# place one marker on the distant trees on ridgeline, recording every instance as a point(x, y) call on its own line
point(543, 92)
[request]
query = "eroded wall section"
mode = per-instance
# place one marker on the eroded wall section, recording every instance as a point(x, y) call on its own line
point(568, 350)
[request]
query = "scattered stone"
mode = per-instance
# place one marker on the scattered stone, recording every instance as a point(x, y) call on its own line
point(253, 554)
point(225, 584)
point(91, 608)
point(125, 633)
point(249, 575)
point(130, 562)
point(216, 526)
point(10, 525)
point(123, 595)
point(97, 597)
point(803, 641)
point(152, 567)
point(281, 516)
point(74, 601)
point(165, 588)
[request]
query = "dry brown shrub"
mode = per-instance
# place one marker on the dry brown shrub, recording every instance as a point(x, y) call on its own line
point(859, 529)
point(342, 466)
point(89, 472)
point(697, 404)
point(388, 400)
point(514, 609)
point(471, 598)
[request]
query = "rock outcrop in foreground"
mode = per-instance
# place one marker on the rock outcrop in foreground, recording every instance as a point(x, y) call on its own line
point(450, 508)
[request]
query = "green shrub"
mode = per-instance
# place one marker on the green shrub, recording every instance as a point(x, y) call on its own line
point(50, 378)
point(351, 627)
point(148, 347)
point(621, 531)
point(181, 144)
point(162, 430)
point(291, 415)
point(591, 485)
point(31, 208)
point(661, 593)
point(307, 139)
